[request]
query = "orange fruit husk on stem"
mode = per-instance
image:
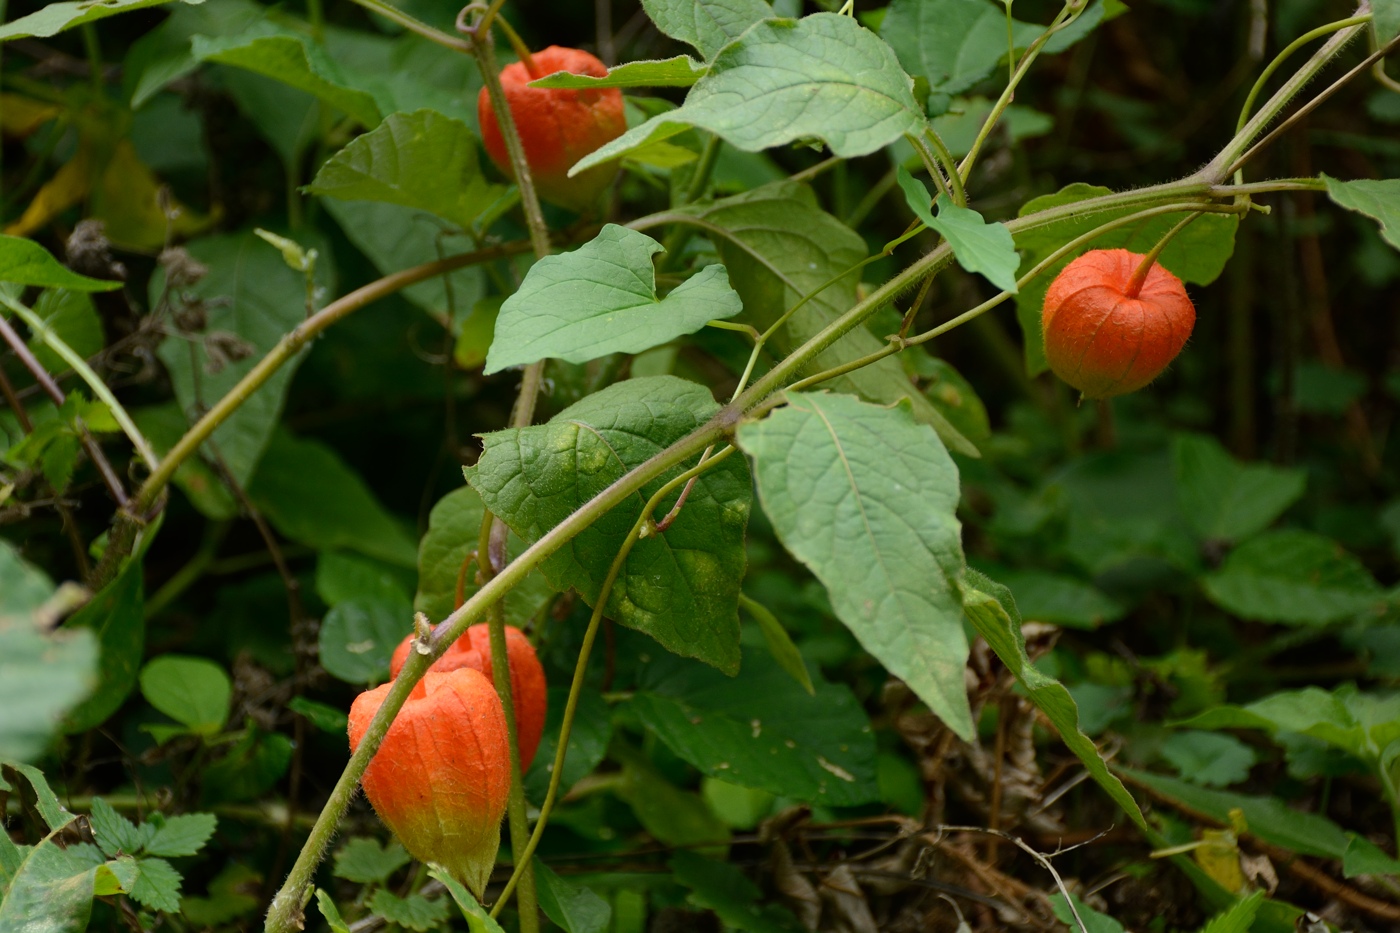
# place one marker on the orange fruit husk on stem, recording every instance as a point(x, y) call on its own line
point(557, 126)
point(1104, 341)
point(528, 690)
point(441, 777)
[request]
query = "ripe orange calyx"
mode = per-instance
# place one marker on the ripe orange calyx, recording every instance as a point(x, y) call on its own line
point(1102, 338)
point(441, 777)
point(557, 126)
point(527, 684)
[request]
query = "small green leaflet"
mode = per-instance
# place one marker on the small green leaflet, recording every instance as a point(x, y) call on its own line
point(681, 71)
point(822, 77)
point(977, 245)
point(1379, 200)
point(601, 299)
point(25, 262)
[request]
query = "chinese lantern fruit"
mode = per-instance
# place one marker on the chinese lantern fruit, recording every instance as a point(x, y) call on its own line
point(527, 683)
point(441, 777)
point(557, 126)
point(1104, 339)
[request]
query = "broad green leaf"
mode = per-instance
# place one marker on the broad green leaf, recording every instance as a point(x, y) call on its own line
point(344, 577)
point(358, 637)
point(329, 719)
point(821, 77)
point(745, 807)
point(252, 294)
point(292, 60)
point(600, 299)
point(286, 117)
point(421, 160)
point(365, 861)
point(454, 526)
point(957, 43)
point(478, 920)
point(182, 835)
point(961, 124)
point(673, 816)
point(1386, 24)
point(25, 262)
point(680, 587)
point(41, 675)
point(72, 319)
point(1362, 724)
point(574, 907)
point(163, 54)
point(588, 741)
point(192, 691)
point(723, 888)
point(1379, 200)
point(1268, 818)
point(115, 833)
point(312, 496)
point(1225, 500)
point(708, 25)
point(992, 611)
point(55, 815)
point(414, 912)
point(680, 71)
point(50, 893)
point(157, 885)
point(779, 643)
point(249, 770)
point(780, 247)
point(1364, 857)
point(761, 729)
point(865, 497)
point(1209, 758)
point(56, 17)
point(1197, 254)
point(951, 395)
point(978, 246)
point(394, 238)
point(1237, 919)
point(229, 897)
point(1059, 598)
point(116, 616)
point(1093, 921)
point(1295, 577)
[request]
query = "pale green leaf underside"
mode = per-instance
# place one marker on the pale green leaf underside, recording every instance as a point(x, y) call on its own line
point(1379, 200)
point(680, 71)
point(865, 496)
point(421, 160)
point(708, 25)
point(822, 77)
point(601, 299)
point(978, 246)
point(293, 61)
point(56, 17)
point(25, 262)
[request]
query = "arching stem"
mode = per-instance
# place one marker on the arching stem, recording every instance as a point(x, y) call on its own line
point(1148, 261)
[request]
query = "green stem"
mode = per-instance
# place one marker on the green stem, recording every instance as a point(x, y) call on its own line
point(679, 236)
point(950, 164)
point(931, 164)
point(394, 14)
point(94, 57)
point(190, 573)
point(1145, 266)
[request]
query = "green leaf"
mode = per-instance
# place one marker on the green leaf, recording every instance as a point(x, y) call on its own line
point(454, 526)
point(478, 920)
point(708, 25)
point(394, 238)
point(157, 885)
point(365, 861)
point(865, 497)
point(1059, 598)
point(1379, 200)
point(249, 292)
point(56, 17)
point(1237, 919)
point(761, 729)
point(1268, 818)
point(600, 299)
point(680, 71)
point(680, 587)
point(182, 835)
point(25, 262)
point(310, 495)
point(1362, 724)
point(421, 160)
point(992, 611)
point(1209, 758)
point(25, 587)
point(415, 912)
point(344, 577)
point(1197, 254)
point(574, 907)
point(740, 807)
point(779, 248)
point(1293, 576)
point(292, 60)
point(116, 616)
point(192, 691)
point(330, 913)
point(229, 897)
point(978, 246)
point(821, 77)
point(55, 815)
point(588, 741)
point(115, 833)
point(1225, 500)
point(1094, 922)
point(358, 638)
point(163, 54)
point(249, 770)
point(51, 892)
point(723, 888)
point(779, 643)
point(672, 816)
point(1363, 857)
point(71, 317)
point(328, 719)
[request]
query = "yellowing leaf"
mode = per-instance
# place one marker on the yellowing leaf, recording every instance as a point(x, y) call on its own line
point(20, 116)
point(1219, 856)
